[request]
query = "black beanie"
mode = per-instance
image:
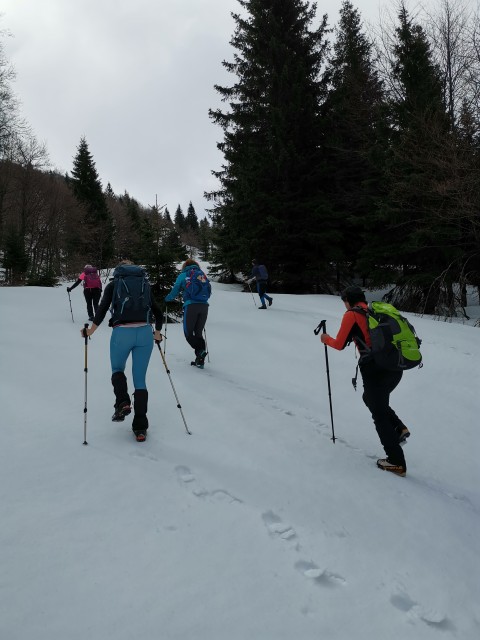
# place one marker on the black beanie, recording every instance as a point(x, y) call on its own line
point(353, 294)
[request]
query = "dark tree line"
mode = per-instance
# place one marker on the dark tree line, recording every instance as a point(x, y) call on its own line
point(349, 156)
point(52, 225)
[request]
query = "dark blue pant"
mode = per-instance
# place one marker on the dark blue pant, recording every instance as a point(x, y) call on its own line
point(262, 291)
point(194, 319)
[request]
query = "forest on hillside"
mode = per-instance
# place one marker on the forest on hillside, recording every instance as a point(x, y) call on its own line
point(351, 154)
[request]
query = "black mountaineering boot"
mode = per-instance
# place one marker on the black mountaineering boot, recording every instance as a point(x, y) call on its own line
point(140, 420)
point(122, 410)
point(122, 399)
point(200, 359)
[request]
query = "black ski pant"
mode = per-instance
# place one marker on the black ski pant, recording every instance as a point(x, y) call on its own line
point(378, 384)
point(194, 319)
point(92, 298)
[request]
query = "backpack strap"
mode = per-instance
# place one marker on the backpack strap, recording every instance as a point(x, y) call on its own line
point(363, 312)
point(359, 335)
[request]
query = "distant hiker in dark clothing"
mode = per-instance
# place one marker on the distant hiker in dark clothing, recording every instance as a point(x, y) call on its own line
point(378, 383)
point(193, 285)
point(260, 275)
point(92, 288)
point(131, 302)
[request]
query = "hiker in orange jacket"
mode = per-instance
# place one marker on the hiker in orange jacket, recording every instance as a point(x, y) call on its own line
point(378, 383)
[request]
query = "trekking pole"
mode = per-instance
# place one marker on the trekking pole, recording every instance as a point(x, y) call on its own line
point(206, 344)
point(85, 326)
point(166, 325)
point(71, 310)
point(171, 382)
point(253, 297)
point(323, 325)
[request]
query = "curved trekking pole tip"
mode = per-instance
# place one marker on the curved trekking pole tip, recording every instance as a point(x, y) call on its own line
point(322, 325)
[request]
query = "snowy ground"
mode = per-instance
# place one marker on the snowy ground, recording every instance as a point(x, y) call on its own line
point(257, 526)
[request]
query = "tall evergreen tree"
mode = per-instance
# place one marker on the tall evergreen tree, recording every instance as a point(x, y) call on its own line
point(162, 249)
point(109, 192)
point(191, 220)
point(419, 242)
point(356, 132)
point(98, 239)
point(179, 219)
point(205, 239)
point(270, 202)
point(138, 233)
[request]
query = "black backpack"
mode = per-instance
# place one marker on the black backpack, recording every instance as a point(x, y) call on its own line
point(131, 301)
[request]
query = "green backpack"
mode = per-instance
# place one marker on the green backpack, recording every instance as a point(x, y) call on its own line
point(395, 345)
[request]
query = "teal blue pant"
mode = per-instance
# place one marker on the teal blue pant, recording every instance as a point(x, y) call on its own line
point(135, 340)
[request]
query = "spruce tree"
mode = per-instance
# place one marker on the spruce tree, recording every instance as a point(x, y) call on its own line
point(138, 232)
point(179, 219)
point(205, 239)
point(417, 241)
point(97, 240)
point(355, 132)
point(191, 220)
point(162, 250)
point(269, 204)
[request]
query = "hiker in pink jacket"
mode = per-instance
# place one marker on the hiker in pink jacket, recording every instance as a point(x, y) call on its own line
point(92, 288)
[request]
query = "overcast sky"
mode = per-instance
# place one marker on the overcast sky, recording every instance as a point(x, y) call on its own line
point(136, 78)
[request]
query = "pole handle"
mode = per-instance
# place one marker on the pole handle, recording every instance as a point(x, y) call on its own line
point(321, 326)
point(85, 326)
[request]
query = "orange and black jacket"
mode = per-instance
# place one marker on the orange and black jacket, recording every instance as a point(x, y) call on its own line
point(353, 328)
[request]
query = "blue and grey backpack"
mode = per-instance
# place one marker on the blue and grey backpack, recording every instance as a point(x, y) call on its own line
point(262, 272)
point(197, 286)
point(131, 301)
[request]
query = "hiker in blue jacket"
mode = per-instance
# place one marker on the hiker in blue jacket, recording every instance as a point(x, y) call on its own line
point(193, 285)
point(260, 275)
